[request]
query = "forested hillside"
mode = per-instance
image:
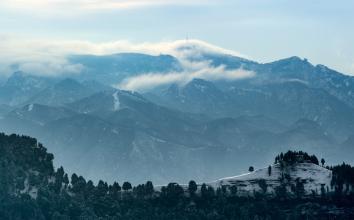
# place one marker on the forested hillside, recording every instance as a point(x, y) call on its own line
point(31, 189)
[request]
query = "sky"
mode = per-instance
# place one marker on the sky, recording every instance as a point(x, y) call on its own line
point(262, 30)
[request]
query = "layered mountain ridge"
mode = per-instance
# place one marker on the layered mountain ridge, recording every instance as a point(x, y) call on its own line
point(174, 132)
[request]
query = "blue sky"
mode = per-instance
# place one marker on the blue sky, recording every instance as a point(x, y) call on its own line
point(263, 30)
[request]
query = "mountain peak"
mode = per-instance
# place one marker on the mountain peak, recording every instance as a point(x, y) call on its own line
point(293, 60)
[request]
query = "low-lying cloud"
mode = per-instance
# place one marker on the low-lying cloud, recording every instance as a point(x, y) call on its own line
point(148, 81)
point(48, 57)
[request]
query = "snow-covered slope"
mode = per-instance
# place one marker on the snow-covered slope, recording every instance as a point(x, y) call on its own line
point(311, 175)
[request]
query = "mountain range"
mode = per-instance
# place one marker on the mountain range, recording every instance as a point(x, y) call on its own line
point(202, 129)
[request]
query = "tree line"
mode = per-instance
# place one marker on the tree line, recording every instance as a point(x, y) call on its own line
point(25, 164)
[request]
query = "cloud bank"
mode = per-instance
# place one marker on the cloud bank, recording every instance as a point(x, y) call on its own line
point(48, 57)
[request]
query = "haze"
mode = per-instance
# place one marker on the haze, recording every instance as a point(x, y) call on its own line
point(261, 30)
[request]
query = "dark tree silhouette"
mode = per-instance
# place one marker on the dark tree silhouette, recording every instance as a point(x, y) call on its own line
point(127, 186)
point(192, 187)
point(204, 190)
point(269, 170)
point(292, 157)
point(149, 188)
point(23, 159)
point(323, 162)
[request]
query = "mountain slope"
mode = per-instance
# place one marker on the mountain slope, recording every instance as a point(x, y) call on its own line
point(285, 101)
point(288, 104)
point(65, 91)
point(115, 133)
point(30, 189)
point(133, 110)
point(339, 85)
point(19, 87)
point(26, 166)
point(311, 176)
point(112, 69)
point(4, 109)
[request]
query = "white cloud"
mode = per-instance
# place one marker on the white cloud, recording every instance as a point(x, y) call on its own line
point(48, 57)
point(50, 69)
point(151, 80)
point(184, 50)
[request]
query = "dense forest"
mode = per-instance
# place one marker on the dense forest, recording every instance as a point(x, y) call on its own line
point(30, 188)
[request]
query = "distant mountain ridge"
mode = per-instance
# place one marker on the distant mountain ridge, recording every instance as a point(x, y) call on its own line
point(117, 132)
point(288, 104)
point(112, 69)
point(65, 91)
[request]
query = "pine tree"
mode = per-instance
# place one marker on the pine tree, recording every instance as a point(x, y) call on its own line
point(102, 188)
point(192, 187)
point(204, 190)
point(323, 162)
point(149, 188)
point(115, 189)
point(66, 180)
point(74, 179)
point(127, 186)
point(269, 170)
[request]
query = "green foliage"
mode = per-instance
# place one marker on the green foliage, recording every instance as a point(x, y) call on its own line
point(299, 188)
point(281, 191)
point(342, 176)
point(323, 161)
point(192, 187)
point(127, 186)
point(292, 157)
point(269, 170)
point(81, 199)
